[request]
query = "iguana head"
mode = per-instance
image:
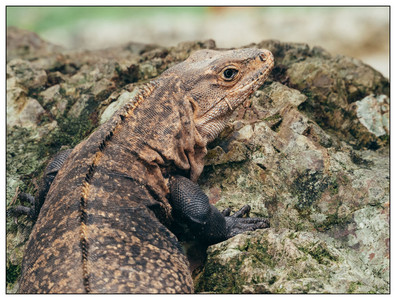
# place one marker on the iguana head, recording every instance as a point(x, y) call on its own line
point(217, 82)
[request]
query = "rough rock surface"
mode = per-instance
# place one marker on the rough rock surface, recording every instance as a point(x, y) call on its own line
point(310, 150)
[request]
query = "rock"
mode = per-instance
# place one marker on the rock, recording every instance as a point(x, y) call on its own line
point(309, 151)
point(236, 152)
point(79, 106)
point(54, 100)
point(27, 45)
point(114, 106)
point(52, 94)
point(332, 85)
point(24, 112)
point(308, 180)
point(285, 261)
point(373, 113)
point(27, 74)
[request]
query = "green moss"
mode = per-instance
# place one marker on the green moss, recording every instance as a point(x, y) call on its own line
point(69, 133)
point(385, 139)
point(23, 161)
point(331, 221)
point(258, 251)
point(320, 253)
point(309, 94)
point(308, 187)
point(333, 187)
point(353, 286)
point(274, 121)
point(218, 278)
point(358, 160)
point(335, 219)
point(12, 274)
point(272, 280)
point(274, 117)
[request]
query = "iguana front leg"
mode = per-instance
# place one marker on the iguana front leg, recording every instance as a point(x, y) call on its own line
point(35, 203)
point(191, 206)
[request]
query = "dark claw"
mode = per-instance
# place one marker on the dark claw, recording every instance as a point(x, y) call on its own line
point(243, 211)
point(236, 224)
point(21, 210)
point(26, 198)
point(226, 212)
point(34, 204)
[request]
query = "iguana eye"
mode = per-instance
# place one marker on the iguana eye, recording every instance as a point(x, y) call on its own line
point(229, 73)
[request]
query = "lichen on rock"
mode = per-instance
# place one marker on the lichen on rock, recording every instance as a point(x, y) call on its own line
point(373, 113)
point(284, 261)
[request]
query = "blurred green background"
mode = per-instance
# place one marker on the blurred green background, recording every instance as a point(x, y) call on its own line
point(361, 32)
point(39, 19)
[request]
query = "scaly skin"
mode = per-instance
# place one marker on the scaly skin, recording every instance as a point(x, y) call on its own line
point(104, 225)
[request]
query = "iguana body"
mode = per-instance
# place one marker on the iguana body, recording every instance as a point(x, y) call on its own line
point(104, 226)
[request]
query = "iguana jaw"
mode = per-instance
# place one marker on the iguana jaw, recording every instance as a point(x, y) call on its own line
point(212, 121)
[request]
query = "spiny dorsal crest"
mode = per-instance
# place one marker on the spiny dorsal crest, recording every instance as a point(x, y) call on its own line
point(144, 92)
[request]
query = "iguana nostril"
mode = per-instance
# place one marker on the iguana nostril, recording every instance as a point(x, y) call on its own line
point(266, 56)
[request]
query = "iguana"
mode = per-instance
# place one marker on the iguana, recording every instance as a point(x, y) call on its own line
point(113, 201)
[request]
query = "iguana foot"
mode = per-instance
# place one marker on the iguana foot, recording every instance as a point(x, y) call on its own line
point(49, 175)
point(236, 224)
point(191, 205)
point(20, 210)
